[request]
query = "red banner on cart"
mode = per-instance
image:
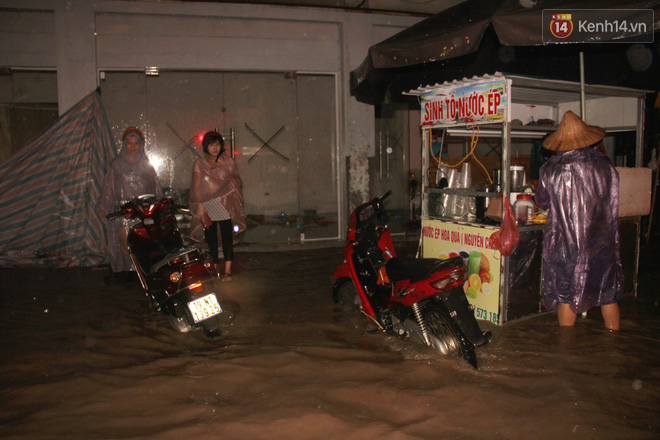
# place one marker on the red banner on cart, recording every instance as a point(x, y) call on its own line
point(472, 103)
point(482, 287)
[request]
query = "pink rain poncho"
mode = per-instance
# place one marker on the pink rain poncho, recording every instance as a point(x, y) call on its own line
point(130, 176)
point(219, 179)
point(581, 260)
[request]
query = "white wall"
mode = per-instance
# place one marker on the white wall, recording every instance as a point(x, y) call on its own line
point(79, 38)
point(610, 112)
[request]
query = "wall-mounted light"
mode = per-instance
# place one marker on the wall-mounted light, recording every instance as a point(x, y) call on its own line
point(151, 71)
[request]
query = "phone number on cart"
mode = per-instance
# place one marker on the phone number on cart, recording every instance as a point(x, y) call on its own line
point(488, 316)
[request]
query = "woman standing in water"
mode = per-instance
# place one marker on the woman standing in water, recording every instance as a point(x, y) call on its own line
point(581, 256)
point(216, 199)
point(130, 175)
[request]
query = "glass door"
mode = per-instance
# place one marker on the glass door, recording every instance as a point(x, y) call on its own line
point(389, 169)
point(282, 127)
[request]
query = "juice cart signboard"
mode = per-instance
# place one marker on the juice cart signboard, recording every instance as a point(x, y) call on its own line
point(482, 287)
point(472, 103)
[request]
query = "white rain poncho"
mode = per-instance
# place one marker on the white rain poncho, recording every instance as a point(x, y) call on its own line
point(130, 176)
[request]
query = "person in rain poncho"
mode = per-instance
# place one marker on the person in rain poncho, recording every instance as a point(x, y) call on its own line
point(130, 175)
point(216, 199)
point(580, 188)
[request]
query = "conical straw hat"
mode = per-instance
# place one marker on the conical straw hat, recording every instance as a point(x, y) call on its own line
point(572, 134)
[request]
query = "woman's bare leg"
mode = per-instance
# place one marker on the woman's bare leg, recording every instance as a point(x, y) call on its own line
point(566, 316)
point(227, 275)
point(611, 315)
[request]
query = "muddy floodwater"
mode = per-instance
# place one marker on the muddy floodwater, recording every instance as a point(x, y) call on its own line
point(82, 360)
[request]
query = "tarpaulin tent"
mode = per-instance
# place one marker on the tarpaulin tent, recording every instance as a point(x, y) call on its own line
point(48, 190)
point(485, 36)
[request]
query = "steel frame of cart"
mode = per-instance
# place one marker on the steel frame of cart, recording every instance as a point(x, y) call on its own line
point(509, 288)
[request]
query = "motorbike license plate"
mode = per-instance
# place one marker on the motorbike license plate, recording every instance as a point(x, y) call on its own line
point(204, 307)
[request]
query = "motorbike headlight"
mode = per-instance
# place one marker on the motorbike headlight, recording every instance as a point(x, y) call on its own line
point(175, 277)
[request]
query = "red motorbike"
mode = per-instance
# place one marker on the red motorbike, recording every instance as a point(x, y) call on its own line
point(419, 299)
point(174, 273)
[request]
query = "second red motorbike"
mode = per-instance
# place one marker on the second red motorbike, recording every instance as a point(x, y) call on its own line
point(419, 299)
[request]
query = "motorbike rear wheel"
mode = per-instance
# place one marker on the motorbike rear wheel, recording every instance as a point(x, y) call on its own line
point(348, 298)
point(440, 324)
point(180, 324)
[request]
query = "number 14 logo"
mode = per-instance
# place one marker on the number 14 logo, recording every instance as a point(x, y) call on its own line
point(561, 25)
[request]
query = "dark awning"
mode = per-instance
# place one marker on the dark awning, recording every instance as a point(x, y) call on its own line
point(483, 36)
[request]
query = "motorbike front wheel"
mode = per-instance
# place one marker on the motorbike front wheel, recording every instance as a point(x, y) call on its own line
point(440, 325)
point(348, 297)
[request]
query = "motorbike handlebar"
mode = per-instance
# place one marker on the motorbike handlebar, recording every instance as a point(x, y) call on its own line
point(113, 215)
point(376, 204)
point(379, 201)
point(183, 208)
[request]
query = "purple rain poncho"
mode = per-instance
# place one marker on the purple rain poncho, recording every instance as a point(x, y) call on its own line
point(129, 176)
point(581, 260)
point(210, 180)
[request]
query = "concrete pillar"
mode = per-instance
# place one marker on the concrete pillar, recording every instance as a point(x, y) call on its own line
point(359, 137)
point(76, 51)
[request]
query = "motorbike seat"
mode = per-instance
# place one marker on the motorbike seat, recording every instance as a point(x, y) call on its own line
point(187, 252)
point(415, 269)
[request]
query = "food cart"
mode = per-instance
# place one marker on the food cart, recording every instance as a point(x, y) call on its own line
point(505, 107)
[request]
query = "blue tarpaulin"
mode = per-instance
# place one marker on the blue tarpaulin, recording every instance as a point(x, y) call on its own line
point(48, 190)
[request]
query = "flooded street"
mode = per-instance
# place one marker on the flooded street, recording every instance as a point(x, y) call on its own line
point(82, 360)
